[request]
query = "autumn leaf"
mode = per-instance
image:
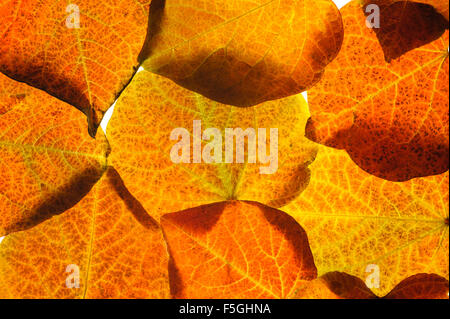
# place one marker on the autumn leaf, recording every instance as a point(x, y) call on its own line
point(48, 162)
point(440, 6)
point(334, 285)
point(242, 53)
point(107, 238)
point(337, 285)
point(41, 44)
point(354, 219)
point(392, 118)
point(237, 250)
point(140, 133)
point(405, 25)
point(421, 286)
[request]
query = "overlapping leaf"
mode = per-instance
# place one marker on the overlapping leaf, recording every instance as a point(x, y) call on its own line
point(241, 249)
point(48, 162)
point(86, 66)
point(337, 285)
point(440, 6)
point(118, 250)
point(242, 52)
point(140, 136)
point(236, 250)
point(384, 100)
point(354, 219)
point(404, 25)
point(392, 118)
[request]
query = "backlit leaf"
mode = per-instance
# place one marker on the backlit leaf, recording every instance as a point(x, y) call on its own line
point(421, 286)
point(118, 249)
point(140, 130)
point(88, 66)
point(441, 6)
point(392, 118)
point(337, 285)
point(236, 250)
point(405, 25)
point(242, 52)
point(354, 219)
point(48, 162)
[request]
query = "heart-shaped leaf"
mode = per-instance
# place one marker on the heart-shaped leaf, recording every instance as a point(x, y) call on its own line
point(236, 250)
point(358, 223)
point(145, 150)
point(48, 162)
point(83, 52)
point(242, 52)
point(104, 247)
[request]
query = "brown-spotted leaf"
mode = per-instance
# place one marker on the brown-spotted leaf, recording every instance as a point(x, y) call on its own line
point(238, 250)
point(441, 6)
point(48, 162)
point(243, 52)
point(356, 222)
point(392, 118)
point(107, 239)
point(88, 66)
point(338, 285)
point(405, 25)
point(140, 133)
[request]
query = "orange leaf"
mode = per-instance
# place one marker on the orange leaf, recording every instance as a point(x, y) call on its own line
point(337, 285)
point(107, 238)
point(354, 219)
point(392, 118)
point(334, 285)
point(88, 66)
point(48, 161)
point(242, 53)
point(236, 250)
point(140, 135)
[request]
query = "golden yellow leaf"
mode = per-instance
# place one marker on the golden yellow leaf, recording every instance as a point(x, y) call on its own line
point(242, 52)
point(107, 239)
point(48, 162)
point(354, 219)
point(140, 135)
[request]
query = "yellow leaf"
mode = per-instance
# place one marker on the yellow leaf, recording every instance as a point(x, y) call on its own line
point(104, 247)
point(238, 250)
point(354, 220)
point(140, 136)
point(242, 52)
point(48, 162)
